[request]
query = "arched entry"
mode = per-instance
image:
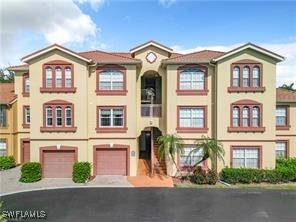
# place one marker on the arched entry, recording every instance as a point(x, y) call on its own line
point(149, 162)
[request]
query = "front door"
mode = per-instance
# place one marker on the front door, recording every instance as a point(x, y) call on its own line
point(25, 151)
point(145, 149)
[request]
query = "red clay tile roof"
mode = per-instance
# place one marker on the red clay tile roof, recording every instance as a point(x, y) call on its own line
point(19, 67)
point(284, 95)
point(101, 56)
point(7, 93)
point(201, 56)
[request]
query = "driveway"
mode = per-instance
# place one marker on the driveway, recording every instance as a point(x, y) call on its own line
point(9, 182)
point(157, 204)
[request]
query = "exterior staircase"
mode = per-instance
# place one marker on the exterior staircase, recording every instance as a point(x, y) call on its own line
point(159, 166)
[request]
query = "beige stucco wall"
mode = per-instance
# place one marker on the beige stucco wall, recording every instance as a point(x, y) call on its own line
point(224, 99)
point(289, 135)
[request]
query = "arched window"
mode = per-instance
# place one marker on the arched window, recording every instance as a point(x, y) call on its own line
point(68, 77)
point(111, 80)
point(192, 79)
point(246, 116)
point(246, 76)
point(59, 118)
point(49, 117)
point(68, 116)
point(235, 76)
point(256, 114)
point(58, 77)
point(256, 76)
point(235, 116)
point(48, 74)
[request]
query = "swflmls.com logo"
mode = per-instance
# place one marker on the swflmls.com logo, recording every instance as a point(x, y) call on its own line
point(19, 214)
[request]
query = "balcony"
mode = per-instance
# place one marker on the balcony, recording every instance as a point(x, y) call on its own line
point(151, 110)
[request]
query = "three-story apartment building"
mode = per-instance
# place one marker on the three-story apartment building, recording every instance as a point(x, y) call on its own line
point(108, 108)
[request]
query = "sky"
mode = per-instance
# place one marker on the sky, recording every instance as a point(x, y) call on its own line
point(119, 25)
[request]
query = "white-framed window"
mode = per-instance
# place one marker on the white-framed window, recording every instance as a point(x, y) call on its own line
point(3, 115)
point(27, 115)
point(49, 116)
point(68, 77)
point(59, 117)
point(256, 76)
point(192, 117)
point(246, 116)
point(58, 77)
point(48, 80)
point(111, 80)
point(192, 79)
point(186, 160)
point(27, 84)
point(281, 149)
point(245, 157)
point(68, 116)
point(3, 147)
point(281, 116)
point(256, 117)
point(235, 116)
point(235, 76)
point(246, 76)
point(111, 117)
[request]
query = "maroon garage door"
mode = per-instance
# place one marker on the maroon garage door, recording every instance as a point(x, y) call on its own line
point(58, 164)
point(111, 161)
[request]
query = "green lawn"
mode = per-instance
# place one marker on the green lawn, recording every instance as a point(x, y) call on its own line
point(288, 186)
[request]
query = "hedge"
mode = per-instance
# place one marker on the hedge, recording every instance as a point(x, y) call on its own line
point(7, 162)
point(31, 172)
point(200, 176)
point(81, 172)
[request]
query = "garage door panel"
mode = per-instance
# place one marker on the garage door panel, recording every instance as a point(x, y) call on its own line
point(111, 162)
point(58, 164)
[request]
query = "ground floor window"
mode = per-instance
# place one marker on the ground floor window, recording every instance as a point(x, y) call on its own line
point(193, 158)
point(3, 147)
point(281, 149)
point(245, 157)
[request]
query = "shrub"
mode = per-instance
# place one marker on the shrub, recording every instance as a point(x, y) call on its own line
point(286, 164)
point(31, 172)
point(81, 172)
point(7, 162)
point(212, 177)
point(199, 176)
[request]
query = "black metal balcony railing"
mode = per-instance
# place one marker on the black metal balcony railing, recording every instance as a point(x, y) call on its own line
point(150, 110)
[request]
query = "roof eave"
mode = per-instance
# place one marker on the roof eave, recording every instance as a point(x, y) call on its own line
point(184, 62)
point(118, 62)
point(18, 69)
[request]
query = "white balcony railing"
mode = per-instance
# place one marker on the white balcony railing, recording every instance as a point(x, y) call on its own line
point(150, 110)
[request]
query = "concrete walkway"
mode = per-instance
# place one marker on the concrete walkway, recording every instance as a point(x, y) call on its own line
point(9, 182)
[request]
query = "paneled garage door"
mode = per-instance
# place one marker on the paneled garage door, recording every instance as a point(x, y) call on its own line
point(58, 164)
point(111, 161)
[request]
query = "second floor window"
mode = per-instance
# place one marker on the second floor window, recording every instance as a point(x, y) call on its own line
point(246, 76)
point(281, 116)
point(48, 80)
point(27, 115)
point(246, 116)
point(58, 116)
point(191, 118)
point(58, 77)
point(3, 115)
point(235, 77)
point(111, 117)
point(26, 85)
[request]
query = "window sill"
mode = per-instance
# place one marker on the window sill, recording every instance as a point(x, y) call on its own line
point(192, 130)
point(181, 92)
point(26, 126)
point(111, 130)
point(58, 90)
point(245, 89)
point(283, 127)
point(58, 129)
point(111, 92)
point(246, 129)
point(25, 94)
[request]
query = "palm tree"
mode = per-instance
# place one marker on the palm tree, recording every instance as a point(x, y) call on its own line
point(212, 149)
point(170, 144)
point(288, 87)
